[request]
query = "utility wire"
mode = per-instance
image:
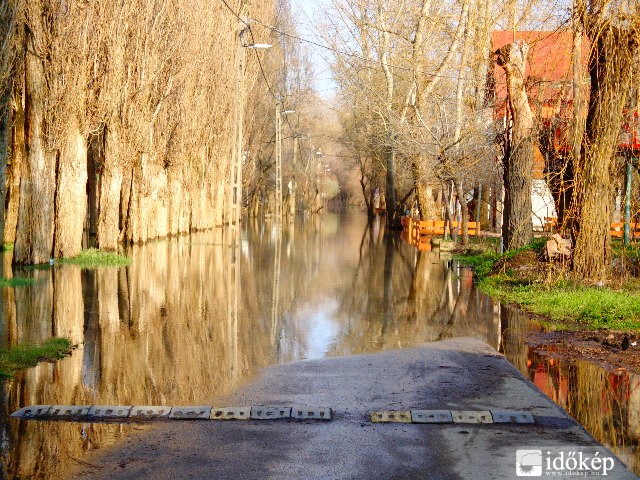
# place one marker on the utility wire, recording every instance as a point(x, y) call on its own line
point(264, 75)
point(343, 52)
point(317, 44)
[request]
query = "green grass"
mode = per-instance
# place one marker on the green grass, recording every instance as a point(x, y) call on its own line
point(630, 251)
point(93, 258)
point(16, 282)
point(24, 356)
point(482, 261)
point(558, 300)
point(566, 302)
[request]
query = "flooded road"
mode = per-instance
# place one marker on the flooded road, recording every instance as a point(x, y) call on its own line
point(193, 318)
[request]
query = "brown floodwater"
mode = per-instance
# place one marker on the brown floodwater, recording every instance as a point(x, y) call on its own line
point(195, 317)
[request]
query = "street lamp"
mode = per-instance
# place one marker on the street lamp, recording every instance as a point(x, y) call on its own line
point(258, 46)
point(237, 156)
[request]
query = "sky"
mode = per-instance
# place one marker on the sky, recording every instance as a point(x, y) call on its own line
point(306, 12)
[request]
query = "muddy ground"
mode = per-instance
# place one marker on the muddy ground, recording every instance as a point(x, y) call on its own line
point(603, 347)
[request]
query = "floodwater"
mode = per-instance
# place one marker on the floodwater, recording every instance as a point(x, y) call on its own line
point(195, 317)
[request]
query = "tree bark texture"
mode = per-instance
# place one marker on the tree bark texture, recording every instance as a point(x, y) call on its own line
point(5, 142)
point(14, 172)
point(485, 220)
point(424, 192)
point(390, 193)
point(71, 193)
point(517, 226)
point(108, 231)
point(610, 68)
point(69, 78)
point(34, 239)
point(464, 208)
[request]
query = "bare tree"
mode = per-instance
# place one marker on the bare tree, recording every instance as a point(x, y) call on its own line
point(613, 29)
point(517, 227)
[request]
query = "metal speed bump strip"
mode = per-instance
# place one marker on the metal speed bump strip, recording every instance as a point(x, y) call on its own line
point(270, 413)
point(32, 411)
point(510, 416)
point(191, 413)
point(104, 411)
point(233, 413)
point(471, 416)
point(431, 416)
point(303, 412)
point(297, 412)
point(452, 416)
point(138, 412)
point(69, 410)
point(391, 417)
point(149, 411)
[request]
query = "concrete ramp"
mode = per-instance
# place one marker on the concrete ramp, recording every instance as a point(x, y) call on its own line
point(461, 379)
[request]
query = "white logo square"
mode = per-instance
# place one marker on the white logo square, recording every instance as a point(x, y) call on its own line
point(529, 463)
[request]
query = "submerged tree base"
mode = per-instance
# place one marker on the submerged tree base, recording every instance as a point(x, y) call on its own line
point(25, 356)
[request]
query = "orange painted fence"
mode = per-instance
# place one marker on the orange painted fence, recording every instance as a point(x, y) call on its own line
point(616, 229)
point(419, 228)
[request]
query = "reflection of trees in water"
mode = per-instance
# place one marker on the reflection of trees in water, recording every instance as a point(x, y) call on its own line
point(153, 333)
point(514, 327)
point(163, 331)
point(399, 297)
point(607, 403)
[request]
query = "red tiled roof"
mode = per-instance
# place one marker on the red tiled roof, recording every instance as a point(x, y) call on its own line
point(549, 64)
point(549, 85)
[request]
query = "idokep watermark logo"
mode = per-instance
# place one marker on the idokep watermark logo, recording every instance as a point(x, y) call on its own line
point(529, 463)
point(563, 462)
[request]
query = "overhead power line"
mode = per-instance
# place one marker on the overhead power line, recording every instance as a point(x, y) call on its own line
point(343, 52)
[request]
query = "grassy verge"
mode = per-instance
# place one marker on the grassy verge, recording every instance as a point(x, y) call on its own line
point(24, 356)
point(630, 251)
point(93, 257)
point(559, 300)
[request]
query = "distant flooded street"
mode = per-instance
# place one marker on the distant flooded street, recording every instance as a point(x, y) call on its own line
point(193, 318)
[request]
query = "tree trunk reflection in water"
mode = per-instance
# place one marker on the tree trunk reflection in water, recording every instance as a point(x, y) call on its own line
point(605, 402)
point(178, 327)
point(388, 305)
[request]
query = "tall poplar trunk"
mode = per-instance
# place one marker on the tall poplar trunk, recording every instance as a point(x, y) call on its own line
point(136, 230)
point(71, 193)
point(34, 238)
point(390, 194)
point(125, 202)
point(517, 225)
point(109, 202)
point(610, 66)
point(457, 180)
point(390, 148)
point(464, 208)
point(14, 172)
point(5, 143)
point(485, 221)
point(424, 192)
